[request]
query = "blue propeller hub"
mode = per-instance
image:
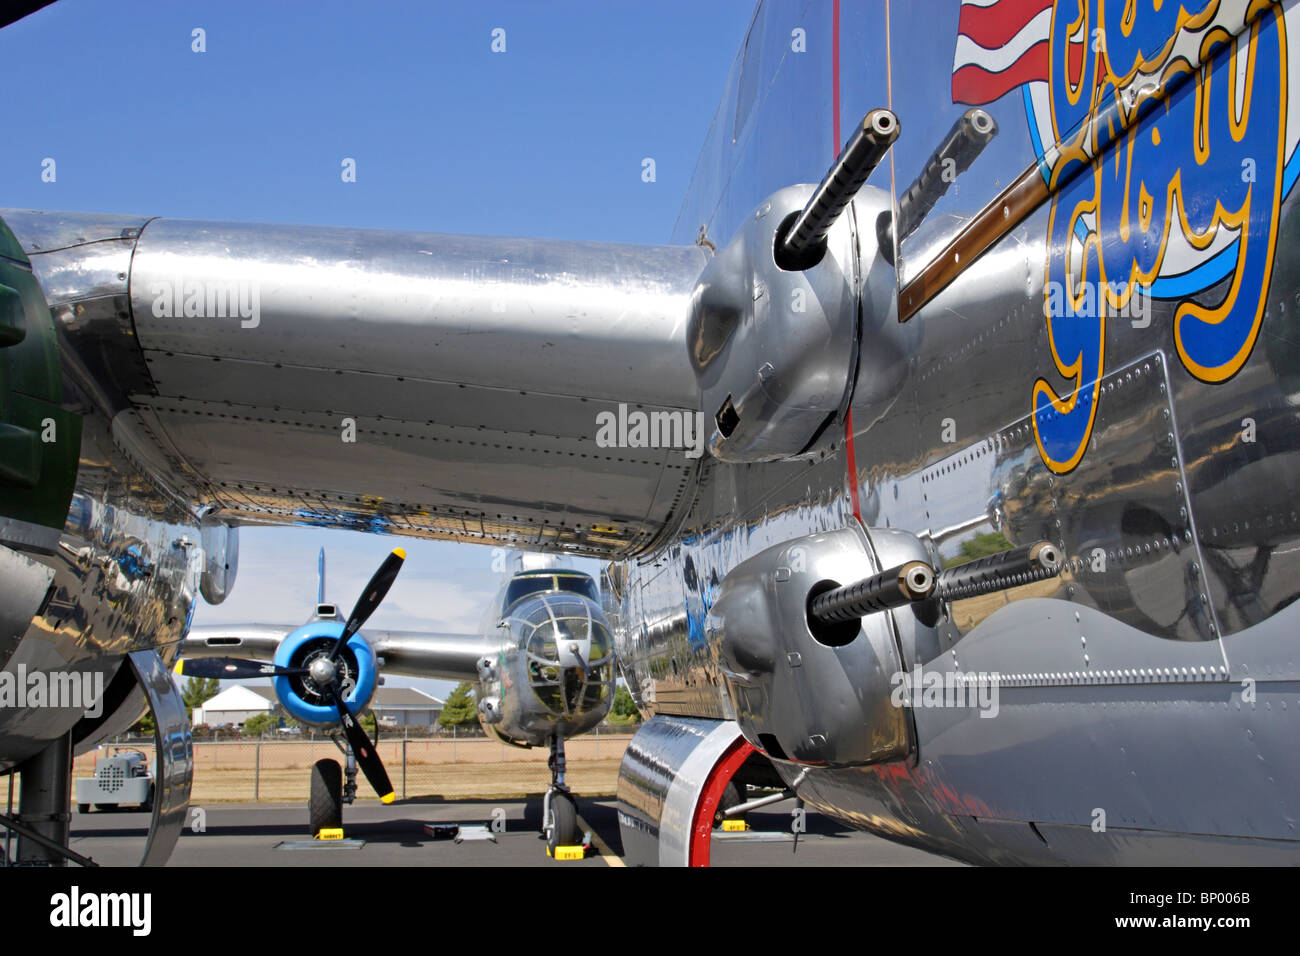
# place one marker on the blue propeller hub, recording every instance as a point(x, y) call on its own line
point(306, 700)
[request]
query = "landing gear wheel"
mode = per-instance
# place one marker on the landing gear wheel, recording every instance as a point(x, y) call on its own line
point(562, 825)
point(731, 797)
point(325, 806)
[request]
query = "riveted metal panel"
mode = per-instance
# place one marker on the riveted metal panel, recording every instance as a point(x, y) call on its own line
point(1121, 517)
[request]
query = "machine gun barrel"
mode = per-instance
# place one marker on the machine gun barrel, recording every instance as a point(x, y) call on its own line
point(904, 584)
point(803, 244)
point(916, 581)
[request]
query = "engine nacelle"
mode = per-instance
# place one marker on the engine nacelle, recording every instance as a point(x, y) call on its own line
point(301, 697)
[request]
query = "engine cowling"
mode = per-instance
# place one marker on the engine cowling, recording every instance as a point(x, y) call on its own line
point(301, 697)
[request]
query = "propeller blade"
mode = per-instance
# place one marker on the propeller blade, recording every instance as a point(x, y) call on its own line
point(367, 757)
point(370, 598)
point(233, 668)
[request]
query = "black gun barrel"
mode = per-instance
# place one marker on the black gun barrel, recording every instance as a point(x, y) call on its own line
point(895, 587)
point(804, 243)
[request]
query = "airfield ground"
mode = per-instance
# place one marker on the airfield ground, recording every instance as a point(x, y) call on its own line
point(243, 834)
point(444, 781)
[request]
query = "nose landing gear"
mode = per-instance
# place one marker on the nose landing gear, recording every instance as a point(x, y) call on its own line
point(559, 807)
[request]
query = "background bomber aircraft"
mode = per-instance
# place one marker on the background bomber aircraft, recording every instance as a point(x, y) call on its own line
point(989, 309)
point(543, 663)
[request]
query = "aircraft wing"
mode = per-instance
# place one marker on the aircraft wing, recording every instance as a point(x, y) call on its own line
point(407, 383)
point(408, 653)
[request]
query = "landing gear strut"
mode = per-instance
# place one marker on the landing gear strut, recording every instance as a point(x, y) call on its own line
point(42, 824)
point(349, 775)
point(559, 808)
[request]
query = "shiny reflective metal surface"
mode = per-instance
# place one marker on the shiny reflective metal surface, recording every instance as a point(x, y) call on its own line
point(421, 654)
point(818, 695)
point(773, 347)
point(660, 781)
point(257, 641)
point(554, 671)
point(82, 263)
point(587, 319)
point(1128, 542)
point(124, 579)
point(1177, 525)
point(470, 371)
point(1149, 432)
point(220, 544)
point(174, 766)
point(474, 370)
point(24, 583)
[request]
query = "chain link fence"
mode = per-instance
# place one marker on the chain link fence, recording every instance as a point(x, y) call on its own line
point(454, 766)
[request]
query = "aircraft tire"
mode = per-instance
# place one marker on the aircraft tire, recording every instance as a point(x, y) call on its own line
point(730, 797)
point(325, 805)
point(562, 828)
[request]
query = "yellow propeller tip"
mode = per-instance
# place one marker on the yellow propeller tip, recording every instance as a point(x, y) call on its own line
point(388, 798)
point(177, 668)
point(400, 552)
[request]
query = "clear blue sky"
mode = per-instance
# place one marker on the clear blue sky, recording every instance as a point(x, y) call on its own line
point(546, 139)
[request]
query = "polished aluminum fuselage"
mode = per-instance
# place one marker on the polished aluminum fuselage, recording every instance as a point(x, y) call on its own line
point(1152, 689)
point(1123, 680)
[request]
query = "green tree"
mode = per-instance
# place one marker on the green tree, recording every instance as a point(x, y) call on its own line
point(460, 709)
point(623, 710)
point(197, 692)
point(260, 724)
point(144, 727)
point(285, 718)
point(367, 723)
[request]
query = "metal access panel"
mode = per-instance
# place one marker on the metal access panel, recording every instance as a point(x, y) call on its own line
point(1121, 517)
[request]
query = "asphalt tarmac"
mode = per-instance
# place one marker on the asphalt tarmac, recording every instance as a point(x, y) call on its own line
point(275, 834)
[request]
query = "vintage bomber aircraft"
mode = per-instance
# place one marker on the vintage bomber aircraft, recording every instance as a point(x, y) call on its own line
point(1001, 415)
point(543, 662)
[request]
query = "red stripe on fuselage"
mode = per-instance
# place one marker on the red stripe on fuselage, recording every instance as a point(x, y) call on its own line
point(835, 80)
point(850, 456)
